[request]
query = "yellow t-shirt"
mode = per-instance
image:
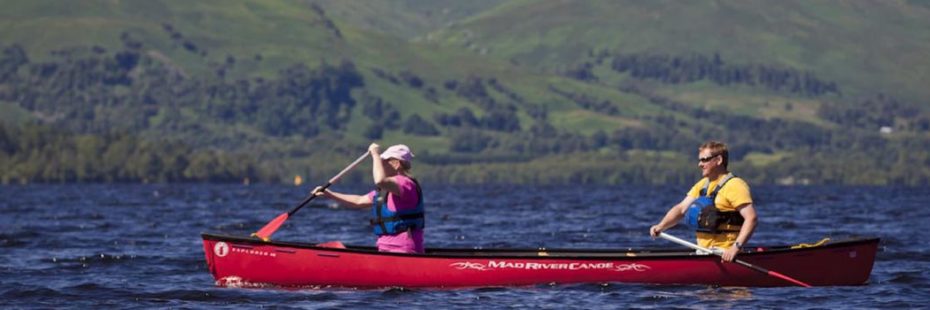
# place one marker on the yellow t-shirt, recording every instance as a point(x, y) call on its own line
point(734, 193)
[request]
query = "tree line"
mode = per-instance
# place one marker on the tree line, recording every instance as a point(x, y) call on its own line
point(111, 103)
point(37, 153)
point(680, 69)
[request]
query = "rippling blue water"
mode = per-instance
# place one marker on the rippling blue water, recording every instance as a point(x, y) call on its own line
point(83, 246)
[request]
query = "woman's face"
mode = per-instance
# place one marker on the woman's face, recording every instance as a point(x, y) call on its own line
point(393, 165)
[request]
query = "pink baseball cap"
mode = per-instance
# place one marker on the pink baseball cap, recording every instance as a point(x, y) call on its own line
point(398, 151)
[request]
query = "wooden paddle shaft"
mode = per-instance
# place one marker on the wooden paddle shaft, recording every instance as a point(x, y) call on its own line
point(687, 244)
point(330, 183)
point(352, 165)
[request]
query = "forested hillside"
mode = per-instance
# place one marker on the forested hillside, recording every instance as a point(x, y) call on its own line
point(233, 91)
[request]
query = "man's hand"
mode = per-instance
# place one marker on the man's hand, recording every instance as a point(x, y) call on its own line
point(654, 231)
point(730, 254)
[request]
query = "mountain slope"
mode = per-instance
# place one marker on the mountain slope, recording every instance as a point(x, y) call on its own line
point(866, 46)
point(291, 87)
point(408, 19)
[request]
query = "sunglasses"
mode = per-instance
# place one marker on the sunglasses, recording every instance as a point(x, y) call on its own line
point(707, 159)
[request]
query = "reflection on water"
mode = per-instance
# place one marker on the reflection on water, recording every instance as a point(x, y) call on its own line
point(724, 295)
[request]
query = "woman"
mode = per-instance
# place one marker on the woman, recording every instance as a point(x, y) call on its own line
point(396, 204)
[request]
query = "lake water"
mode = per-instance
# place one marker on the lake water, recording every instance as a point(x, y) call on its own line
point(139, 246)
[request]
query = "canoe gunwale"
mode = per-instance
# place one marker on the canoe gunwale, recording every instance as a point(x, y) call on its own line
point(555, 253)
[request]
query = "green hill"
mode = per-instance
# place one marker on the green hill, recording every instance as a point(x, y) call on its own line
point(865, 46)
point(408, 19)
point(485, 91)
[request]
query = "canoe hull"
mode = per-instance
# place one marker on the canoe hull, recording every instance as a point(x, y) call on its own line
point(237, 261)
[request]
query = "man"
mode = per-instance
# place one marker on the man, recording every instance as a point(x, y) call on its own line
point(396, 204)
point(725, 218)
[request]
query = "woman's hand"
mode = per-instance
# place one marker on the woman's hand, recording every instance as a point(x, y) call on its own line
point(318, 191)
point(375, 150)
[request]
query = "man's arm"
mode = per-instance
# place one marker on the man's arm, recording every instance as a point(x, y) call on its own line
point(745, 231)
point(672, 217)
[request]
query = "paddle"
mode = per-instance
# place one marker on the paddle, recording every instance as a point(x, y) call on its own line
point(269, 229)
point(720, 253)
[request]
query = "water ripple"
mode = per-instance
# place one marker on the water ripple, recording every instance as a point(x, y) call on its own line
point(138, 246)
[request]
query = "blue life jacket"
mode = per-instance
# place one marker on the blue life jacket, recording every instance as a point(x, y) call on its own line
point(387, 222)
point(703, 215)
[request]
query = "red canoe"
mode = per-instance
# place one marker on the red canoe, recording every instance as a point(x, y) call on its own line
point(243, 261)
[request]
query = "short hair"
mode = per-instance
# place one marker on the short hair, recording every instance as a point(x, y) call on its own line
point(717, 148)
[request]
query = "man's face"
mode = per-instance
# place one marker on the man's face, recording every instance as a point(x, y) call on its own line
point(708, 161)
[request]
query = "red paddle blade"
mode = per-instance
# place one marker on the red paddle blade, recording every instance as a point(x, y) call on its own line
point(789, 279)
point(269, 229)
point(332, 244)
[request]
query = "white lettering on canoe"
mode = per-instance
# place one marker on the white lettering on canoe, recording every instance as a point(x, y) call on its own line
point(469, 265)
point(633, 266)
point(548, 266)
point(245, 251)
